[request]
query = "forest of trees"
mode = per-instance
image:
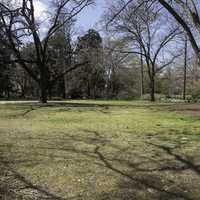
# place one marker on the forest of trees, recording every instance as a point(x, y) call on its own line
point(145, 49)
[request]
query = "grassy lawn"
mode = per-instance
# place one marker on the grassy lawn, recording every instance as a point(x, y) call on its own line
point(100, 150)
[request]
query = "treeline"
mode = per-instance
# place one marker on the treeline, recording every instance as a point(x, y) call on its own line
point(142, 52)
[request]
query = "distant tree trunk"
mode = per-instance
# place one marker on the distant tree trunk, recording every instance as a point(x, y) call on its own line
point(64, 91)
point(94, 91)
point(8, 93)
point(170, 83)
point(67, 78)
point(185, 70)
point(142, 75)
point(64, 77)
point(88, 89)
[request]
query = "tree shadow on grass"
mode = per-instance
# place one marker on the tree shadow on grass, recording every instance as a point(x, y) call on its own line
point(188, 163)
point(139, 178)
point(23, 110)
point(15, 186)
point(152, 186)
point(105, 106)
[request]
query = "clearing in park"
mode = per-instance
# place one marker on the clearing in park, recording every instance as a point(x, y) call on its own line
point(86, 150)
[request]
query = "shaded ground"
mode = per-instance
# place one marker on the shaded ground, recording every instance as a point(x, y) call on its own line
point(189, 109)
point(99, 150)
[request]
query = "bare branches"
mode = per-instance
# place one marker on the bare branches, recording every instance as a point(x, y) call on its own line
point(171, 61)
point(118, 12)
point(76, 66)
point(168, 38)
point(189, 6)
point(19, 24)
point(183, 23)
point(141, 24)
point(57, 24)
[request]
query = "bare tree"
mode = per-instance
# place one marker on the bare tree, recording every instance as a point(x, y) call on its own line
point(141, 24)
point(19, 25)
point(187, 14)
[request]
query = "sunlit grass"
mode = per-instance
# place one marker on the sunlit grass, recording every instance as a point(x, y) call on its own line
point(102, 149)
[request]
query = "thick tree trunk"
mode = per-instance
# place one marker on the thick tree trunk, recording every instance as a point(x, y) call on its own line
point(43, 97)
point(152, 89)
point(43, 86)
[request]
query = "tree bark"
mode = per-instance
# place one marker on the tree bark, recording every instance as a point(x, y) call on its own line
point(43, 97)
point(185, 70)
point(43, 85)
point(142, 76)
point(183, 23)
point(152, 89)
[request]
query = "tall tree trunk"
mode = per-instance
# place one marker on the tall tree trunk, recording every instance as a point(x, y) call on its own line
point(66, 85)
point(64, 88)
point(43, 96)
point(67, 77)
point(152, 88)
point(43, 85)
point(185, 70)
point(141, 75)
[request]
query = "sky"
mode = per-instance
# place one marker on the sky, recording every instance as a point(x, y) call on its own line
point(91, 15)
point(88, 18)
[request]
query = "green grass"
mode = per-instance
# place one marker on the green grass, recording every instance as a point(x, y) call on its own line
point(99, 150)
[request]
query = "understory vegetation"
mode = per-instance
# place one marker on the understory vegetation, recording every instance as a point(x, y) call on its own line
point(137, 49)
